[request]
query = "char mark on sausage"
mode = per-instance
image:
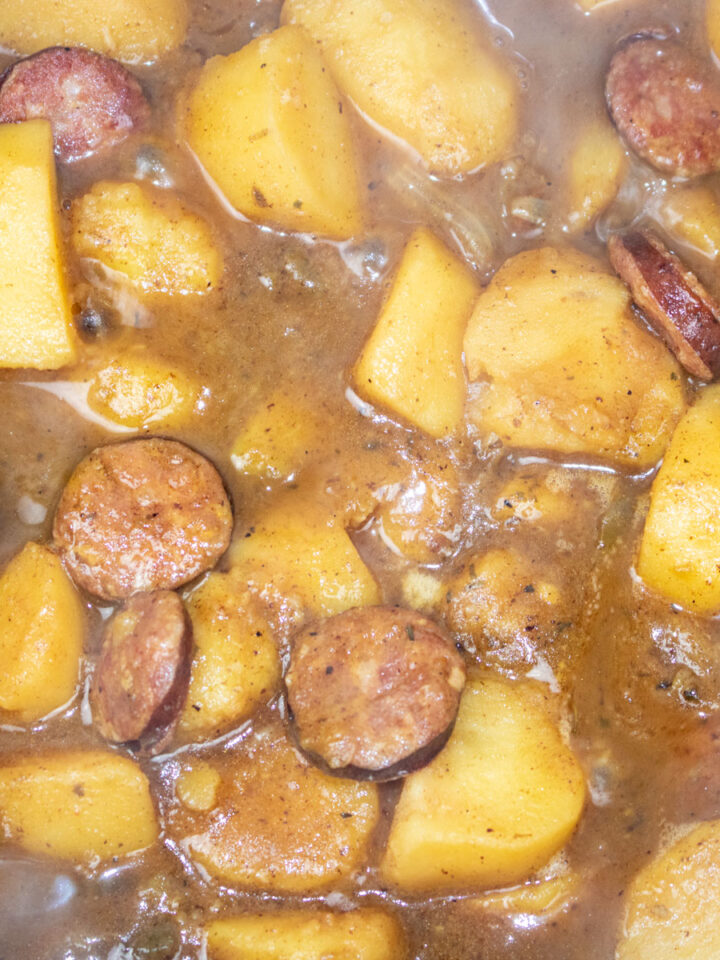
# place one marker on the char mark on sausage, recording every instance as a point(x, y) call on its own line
point(674, 301)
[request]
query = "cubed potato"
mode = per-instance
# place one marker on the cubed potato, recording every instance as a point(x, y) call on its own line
point(420, 510)
point(597, 166)
point(680, 550)
point(412, 363)
point(364, 934)
point(41, 639)
point(509, 606)
point(197, 786)
point(563, 366)
point(235, 665)
point(692, 214)
point(87, 806)
point(267, 124)
point(423, 69)
point(134, 31)
point(712, 21)
point(148, 237)
point(298, 551)
point(502, 798)
point(35, 321)
point(279, 437)
point(136, 390)
point(277, 823)
point(672, 907)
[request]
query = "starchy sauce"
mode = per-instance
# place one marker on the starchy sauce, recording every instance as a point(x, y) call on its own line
point(543, 545)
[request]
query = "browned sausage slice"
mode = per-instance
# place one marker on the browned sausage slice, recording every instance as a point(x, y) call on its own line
point(142, 675)
point(672, 298)
point(666, 105)
point(374, 692)
point(142, 515)
point(92, 102)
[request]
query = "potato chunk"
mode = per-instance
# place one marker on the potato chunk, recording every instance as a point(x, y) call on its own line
point(148, 237)
point(87, 806)
point(502, 797)
point(235, 666)
point(680, 549)
point(673, 904)
point(134, 31)
point(305, 556)
point(41, 639)
point(712, 21)
point(564, 365)
point(279, 437)
point(135, 390)
point(35, 322)
point(277, 822)
point(412, 362)
point(364, 934)
point(267, 124)
point(692, 214)
point(597, 165)
point(423, 69)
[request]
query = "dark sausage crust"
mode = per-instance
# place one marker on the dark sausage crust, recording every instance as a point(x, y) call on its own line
point(92, 102)
point(673, 299)
point(666, 106)
point(143, 671)
point(374, 692)
point(142, 515)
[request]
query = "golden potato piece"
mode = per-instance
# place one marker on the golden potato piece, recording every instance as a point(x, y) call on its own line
point(35, 326)
point(134, 31)
point(87, 806)
point(503, 796)
point(712, 22)
point(364, 934)
point(298, 551)
point(672, 907)
point(277, 823)
point(597, 165)
point(680, 552)
point(423, 69)
point(510, 607)
point(267, 124)
point(692, 214)
point(135, 390)
point(147, 236)
point(235, 665)
point(41, 639)
point(565, 367)
point(412, 362)
point(279, 437)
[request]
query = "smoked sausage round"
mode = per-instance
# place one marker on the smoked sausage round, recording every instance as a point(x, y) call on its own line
point(92, 102)
point(143, 671)
point(147, 514)
point(666, 105)
point(373, 693)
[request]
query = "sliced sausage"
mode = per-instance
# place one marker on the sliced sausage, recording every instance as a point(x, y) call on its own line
point(143, 672)
point(92, 102)
point(677, 305)
point(373, 693)
point(142, 515)
point(666, 105)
